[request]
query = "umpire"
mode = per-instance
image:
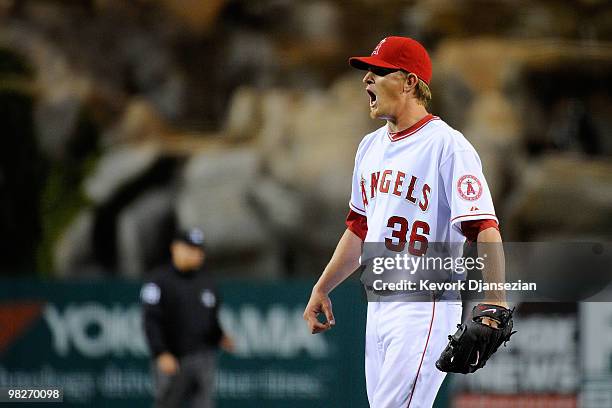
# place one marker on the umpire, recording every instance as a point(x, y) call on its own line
point(180, 306)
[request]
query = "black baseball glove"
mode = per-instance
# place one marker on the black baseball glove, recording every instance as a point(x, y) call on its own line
point(474, 342)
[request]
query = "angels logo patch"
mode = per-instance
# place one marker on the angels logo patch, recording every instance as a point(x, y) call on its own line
point(469, 187)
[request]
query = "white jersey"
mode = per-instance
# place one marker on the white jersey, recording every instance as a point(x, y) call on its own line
point(414, 187)
point(418, 185)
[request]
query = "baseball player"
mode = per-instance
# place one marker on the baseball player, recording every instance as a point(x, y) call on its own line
point(416, 181)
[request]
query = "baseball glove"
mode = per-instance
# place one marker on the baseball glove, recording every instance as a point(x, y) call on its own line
point(475, 342)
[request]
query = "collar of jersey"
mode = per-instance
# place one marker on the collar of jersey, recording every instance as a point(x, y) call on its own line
point(395, 136)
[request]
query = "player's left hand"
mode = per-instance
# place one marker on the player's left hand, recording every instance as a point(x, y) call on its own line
point(475, 341)
point(492, 322)
point(319, 303)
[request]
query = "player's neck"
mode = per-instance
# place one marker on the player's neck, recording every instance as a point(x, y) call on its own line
point(409, 117)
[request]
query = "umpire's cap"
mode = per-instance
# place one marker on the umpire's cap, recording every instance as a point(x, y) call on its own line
point(191, 236)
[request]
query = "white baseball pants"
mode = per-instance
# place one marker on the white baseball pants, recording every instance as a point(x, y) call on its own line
point(403, 342)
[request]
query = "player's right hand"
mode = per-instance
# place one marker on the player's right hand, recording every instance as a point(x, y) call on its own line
point(167, 363)
point(319, 303)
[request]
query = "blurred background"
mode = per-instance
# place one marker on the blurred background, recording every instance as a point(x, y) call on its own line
point(122, 120)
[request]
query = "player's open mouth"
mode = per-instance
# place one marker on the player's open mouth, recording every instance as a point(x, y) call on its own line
point(372, 96)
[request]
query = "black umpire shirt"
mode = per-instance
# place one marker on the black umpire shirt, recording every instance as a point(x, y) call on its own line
point(180, 312)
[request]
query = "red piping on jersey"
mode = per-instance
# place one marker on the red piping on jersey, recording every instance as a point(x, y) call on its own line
point(395, 136)
point(433, 313)
point(472, 215)
point(357, 209)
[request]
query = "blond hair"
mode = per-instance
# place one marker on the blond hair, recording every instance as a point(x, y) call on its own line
point(421, 92)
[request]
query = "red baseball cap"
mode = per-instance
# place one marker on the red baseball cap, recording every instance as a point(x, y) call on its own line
point(398, 53)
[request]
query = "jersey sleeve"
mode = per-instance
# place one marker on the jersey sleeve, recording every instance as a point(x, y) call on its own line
point(471, 229)
point(216, 331)
point(466, 189)
point(358, 224)
point(356, 203)
point(151, 298)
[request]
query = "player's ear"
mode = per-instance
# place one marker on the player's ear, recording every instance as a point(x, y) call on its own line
point(410, 82)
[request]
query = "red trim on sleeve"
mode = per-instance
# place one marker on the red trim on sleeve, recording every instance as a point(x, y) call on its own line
point(471, 229)
point(357, 209)
point(470, 215)
point(357, 223)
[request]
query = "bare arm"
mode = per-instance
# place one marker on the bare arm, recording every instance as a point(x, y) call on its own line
point(343, 263)
point(490, 243)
